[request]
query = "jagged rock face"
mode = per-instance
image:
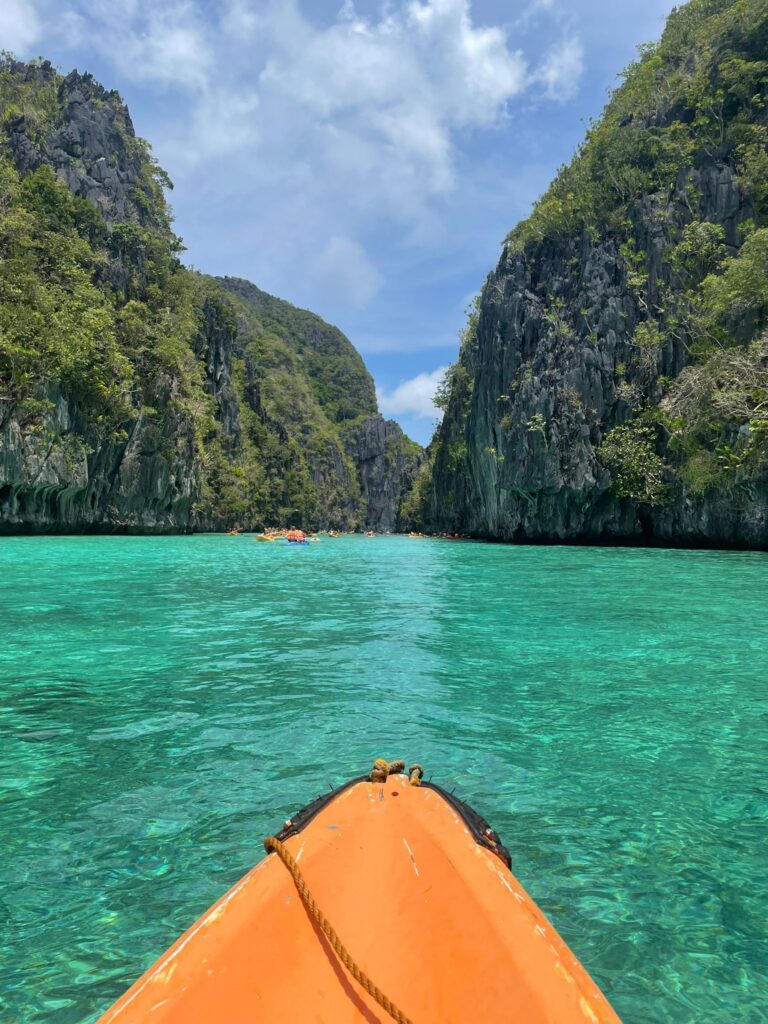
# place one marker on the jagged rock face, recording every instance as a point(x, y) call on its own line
point(159, 472)
point(65, 477)
point(54, 480)
point(552, 370)
point(62, 475)
point(363, 479)
point(339, 505)
point(216, 344)
point(386, 464)
point(92, 146)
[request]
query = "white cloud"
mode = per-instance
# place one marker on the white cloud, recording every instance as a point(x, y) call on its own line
point(380, 97)
point(167, 43)
point(173, 49)
point(562, 69)
point(343, 272)
point(413, 396)
point(345, 124)
point(386, 94)
point(329, 132)
point(20, 26)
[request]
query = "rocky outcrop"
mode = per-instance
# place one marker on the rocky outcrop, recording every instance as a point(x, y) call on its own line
point(89, 141)
point(53, 479)
point(340, 383)
point(59, 471)
point(63, 476)
point(387, 463)
point(553, 369)
point(216, 343)
point(583, 331)
point(233, 422)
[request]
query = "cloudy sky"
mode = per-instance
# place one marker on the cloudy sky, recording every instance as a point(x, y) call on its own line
point(363, 159)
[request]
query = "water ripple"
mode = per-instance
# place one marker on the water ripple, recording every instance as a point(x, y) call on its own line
point(167, 702)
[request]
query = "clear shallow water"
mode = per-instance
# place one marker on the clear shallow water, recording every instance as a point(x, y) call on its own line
point(166, 703)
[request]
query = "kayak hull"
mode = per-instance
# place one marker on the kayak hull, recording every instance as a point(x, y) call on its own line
point(436, 919)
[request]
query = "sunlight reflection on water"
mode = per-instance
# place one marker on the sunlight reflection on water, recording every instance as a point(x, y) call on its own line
point(166, 702)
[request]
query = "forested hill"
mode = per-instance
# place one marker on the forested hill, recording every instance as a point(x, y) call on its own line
point(136, 394)
point(613, 379)
point(337, 375)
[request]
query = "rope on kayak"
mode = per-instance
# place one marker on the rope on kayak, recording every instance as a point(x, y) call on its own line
point(382, 769)
point(274, 845)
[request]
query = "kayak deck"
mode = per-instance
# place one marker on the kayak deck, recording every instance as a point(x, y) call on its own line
point(435, 919)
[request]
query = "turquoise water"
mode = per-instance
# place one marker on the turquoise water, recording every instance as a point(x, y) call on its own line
point(168, 702)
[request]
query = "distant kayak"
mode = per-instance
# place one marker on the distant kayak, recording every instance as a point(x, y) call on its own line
point(298, 542)
point(387, 898)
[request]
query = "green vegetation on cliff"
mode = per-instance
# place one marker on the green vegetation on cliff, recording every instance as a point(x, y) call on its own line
point(135, 393)
point(339, 381)
point(700, 94)
point(701, 88)
point(310, 381)
point(55, 322)
point(615, 381)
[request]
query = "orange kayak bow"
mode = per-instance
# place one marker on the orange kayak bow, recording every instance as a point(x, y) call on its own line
point(418, 889)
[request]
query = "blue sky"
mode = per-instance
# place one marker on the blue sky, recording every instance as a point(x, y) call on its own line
point(361, 159)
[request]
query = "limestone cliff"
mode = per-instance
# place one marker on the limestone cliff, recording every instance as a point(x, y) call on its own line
point(137, 395)
point(84, 132)
point(613, 376)
point(387, 463)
